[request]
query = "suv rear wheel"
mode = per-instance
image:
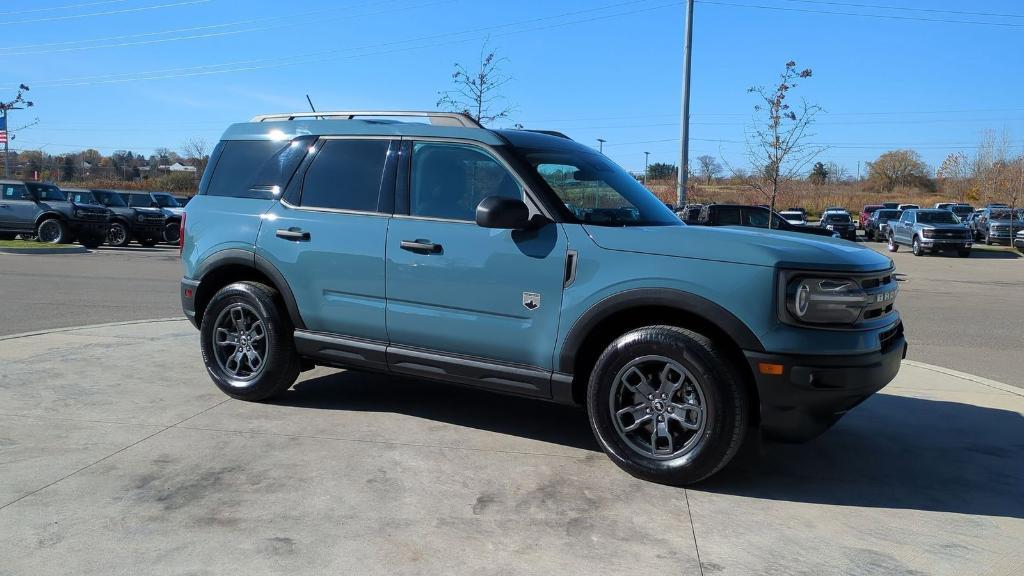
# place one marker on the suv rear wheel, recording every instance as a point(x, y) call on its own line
point(246, 341)
point(666, 406)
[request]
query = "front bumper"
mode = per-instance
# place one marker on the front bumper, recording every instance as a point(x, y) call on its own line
point(188, 291)
point(89, 228)
point(946, 243)
point(813, 392)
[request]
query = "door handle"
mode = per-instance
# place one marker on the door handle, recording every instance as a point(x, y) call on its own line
point(294, 234)
point(425, 246)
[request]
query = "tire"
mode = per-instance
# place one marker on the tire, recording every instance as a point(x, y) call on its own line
point(240, 376)
point(893, 246)
point(963, 252)
point(916, 248)
point(52, 231)
point(118, 235)
point(988, 240)
point(172, 232)
point(704, 378)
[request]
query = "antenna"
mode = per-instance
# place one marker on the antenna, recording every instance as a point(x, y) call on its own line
point(311, 107)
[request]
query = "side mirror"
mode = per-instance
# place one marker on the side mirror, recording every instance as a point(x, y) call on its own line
point(503, 212)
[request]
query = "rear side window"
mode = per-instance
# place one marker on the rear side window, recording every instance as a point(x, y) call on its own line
point(729, 216)
point(238, 165)
point(346, 175)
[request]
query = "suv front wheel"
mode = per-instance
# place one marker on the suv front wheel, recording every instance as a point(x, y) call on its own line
point(893, 246)
point(246, 341)
point(666, 406)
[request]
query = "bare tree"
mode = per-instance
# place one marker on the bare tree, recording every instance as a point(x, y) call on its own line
point(837, 172)
point(955, 175)
point(477, 93)
point(777, 145)
point(708, 168)
point(196, 153)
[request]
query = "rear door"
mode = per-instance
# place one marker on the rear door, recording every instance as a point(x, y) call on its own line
point(327, 237)
point(464, 301)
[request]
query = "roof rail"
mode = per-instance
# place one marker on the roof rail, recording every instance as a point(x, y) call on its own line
point(436, 118)
point(548, 132)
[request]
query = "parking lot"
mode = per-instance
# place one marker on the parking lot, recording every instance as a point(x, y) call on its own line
point(118, 456)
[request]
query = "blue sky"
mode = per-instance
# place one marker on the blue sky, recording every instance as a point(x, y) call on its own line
point(141, 74)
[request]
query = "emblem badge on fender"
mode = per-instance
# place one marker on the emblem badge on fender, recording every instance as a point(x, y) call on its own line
point(531, 300)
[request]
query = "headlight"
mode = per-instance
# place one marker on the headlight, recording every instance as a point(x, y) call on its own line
point(927, 233)
point(830, 227)
point(825, 300)
point(140, 218)
point(79, 214)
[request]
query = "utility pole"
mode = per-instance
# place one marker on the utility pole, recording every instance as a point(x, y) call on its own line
point(647, 155)
point(684, 120)
point(600, 145)
point(7, 137)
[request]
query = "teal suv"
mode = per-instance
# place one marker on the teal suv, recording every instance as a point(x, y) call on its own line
point(522, 262)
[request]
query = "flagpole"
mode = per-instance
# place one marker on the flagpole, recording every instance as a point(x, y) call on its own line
point(7, 138)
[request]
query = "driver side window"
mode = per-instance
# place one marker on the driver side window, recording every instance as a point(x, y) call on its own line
point(449, 180)
point(907, 217)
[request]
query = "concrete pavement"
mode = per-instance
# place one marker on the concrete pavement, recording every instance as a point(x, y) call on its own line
point(118, 456)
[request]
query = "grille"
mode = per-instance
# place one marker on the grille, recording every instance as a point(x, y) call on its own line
point(92, 215)
point(153, 220)
point(881, 292)
point(950, 234)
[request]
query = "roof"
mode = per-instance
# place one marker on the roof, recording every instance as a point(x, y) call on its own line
point(284, 130)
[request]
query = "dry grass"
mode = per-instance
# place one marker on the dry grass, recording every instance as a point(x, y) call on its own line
point(851, 195)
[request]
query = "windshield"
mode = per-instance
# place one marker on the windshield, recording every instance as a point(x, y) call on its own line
point(597, 191)
point(962, 211)
point(791, 215)
point(166, 201)
point(937, 217)
point(1005, 214)
point(47, 192)
point(837, 218)
point(887, 214)
point(110, 199)
point(82, 197)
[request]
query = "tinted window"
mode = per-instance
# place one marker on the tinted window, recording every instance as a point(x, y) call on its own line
point(46, 192)
point(837, 218)
point(109, 198)
point(449, 180)
point(139, 200)
point(756, 218)
point(907, 217)
point(82, 197)
point(346, 175)
point(937, 217)
point(729, 216)
point(15, 192)
point(238, 165)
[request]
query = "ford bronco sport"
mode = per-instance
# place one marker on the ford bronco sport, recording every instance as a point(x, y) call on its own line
point(526, 263)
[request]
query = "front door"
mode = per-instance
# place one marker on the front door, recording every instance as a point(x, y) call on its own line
point(456, 289)
point(18, 208)
point(329, 243)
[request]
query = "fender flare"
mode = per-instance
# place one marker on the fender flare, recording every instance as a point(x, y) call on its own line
point(39, 219)
point(687, 302)
point(237, 256)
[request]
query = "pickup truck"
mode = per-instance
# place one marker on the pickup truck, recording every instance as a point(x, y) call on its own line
point(930, 230)
point(877, 226)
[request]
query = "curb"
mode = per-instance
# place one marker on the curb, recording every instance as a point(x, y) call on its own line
point(969, 377)
point(75, 250)
point(88, 327)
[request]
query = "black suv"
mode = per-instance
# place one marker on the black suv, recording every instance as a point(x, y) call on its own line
point(753, 217)
point(876, 229)
point(839, 222)
point(44, 211)
point(144, 225)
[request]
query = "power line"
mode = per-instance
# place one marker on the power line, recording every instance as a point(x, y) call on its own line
point(908, 9)
point(289, 24)
point(325, 55)
point(106, 13)
point(861, 14)
point(64, 7)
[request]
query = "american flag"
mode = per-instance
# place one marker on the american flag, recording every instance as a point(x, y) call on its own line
point(3, 129)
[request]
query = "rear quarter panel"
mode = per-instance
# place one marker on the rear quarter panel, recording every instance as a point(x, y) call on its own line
point(217, 223)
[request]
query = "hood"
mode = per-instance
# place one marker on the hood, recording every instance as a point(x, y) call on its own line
point(157, 211)
point(89, 205)
point(753, 246)
point(172, 211)
point(956, 226)
point(1006, 222)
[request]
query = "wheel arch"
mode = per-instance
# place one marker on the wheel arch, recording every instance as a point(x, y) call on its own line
point(600, 325)
point(49, 214)
point(236, 265)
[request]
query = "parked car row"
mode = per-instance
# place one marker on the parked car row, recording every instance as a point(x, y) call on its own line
point(947, 226)
point(90, 217)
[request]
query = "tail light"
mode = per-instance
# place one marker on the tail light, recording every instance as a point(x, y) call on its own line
point(181, 234)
